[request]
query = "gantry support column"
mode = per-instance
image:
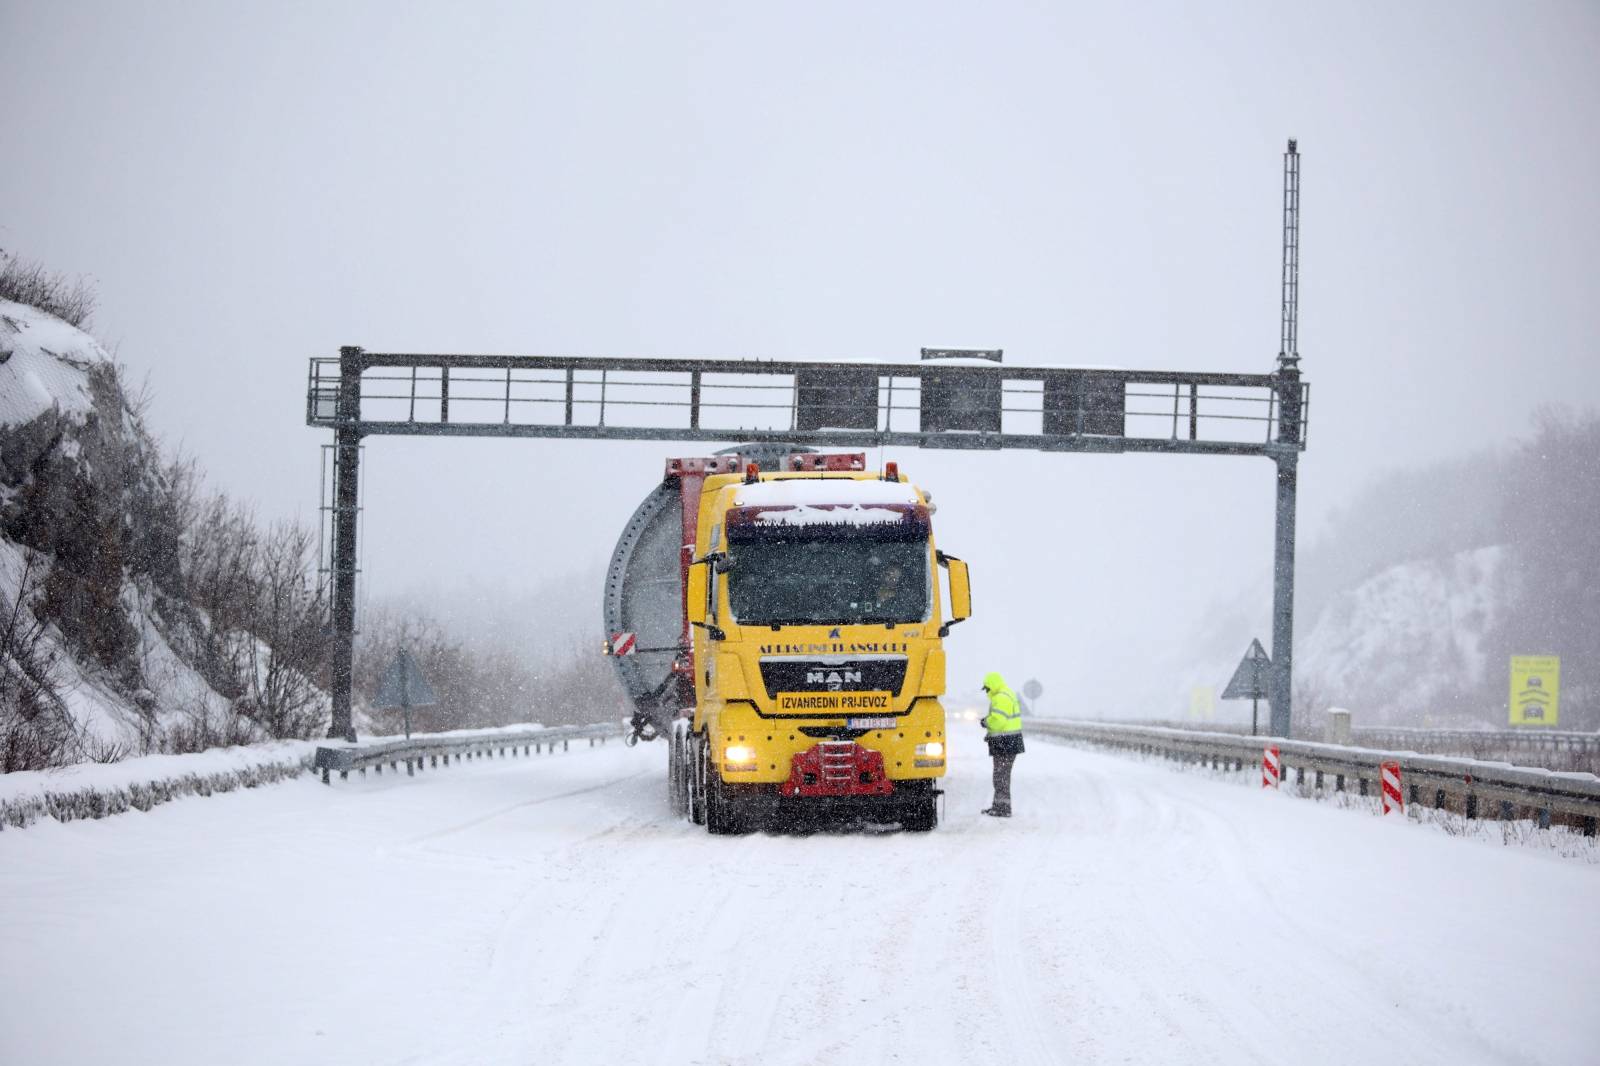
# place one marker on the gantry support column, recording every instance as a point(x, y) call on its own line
point(1280, 688)
point(346, 507)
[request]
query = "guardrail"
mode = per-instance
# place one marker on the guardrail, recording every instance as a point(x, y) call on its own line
point(1475, 740)
point(1557, 749)
point(427, 750)
point(1436, 781)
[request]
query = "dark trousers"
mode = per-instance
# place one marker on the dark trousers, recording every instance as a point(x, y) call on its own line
point(1002, 781)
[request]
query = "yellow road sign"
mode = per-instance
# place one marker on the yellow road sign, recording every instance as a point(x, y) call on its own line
point(1202, 703)
point(1535, 689)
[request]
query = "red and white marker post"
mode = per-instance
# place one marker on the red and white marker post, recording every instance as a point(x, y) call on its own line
point(1393, 797)
point(1270, 764)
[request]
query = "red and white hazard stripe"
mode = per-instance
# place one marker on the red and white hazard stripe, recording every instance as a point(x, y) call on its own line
point(622, 643)
point(1270, 764)
point(1393, 798)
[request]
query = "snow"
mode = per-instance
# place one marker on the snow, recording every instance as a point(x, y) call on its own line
point(47, 366)
point(812, 491)
point(104, 718)
point(47, 369)
point(23, 785)
point(916, 364)
point(1403, 644)
point(1415, 630)
point(853, 515)
point(551, 910)
point(92, 790)
point(838, 501)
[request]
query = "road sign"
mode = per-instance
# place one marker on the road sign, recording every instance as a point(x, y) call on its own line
point(1249, 681)
point(403, 686)
point(1202, 703)
point(1535, 689)
point(1032, 689)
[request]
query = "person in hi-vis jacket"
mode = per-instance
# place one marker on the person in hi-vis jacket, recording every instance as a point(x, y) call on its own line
point(1003, 730)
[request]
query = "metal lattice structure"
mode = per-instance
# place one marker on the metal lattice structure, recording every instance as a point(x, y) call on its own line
point(970, 402)
point(925, 405)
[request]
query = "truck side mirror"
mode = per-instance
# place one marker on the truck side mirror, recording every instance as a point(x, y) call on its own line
point(960, 591)
point(694, 593)
point(696, 596)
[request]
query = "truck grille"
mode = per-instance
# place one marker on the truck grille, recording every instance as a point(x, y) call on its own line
point(862, 675)
point(838, 763)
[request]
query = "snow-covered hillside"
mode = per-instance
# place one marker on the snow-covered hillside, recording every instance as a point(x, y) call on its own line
point(1411, 644)
point(1411, 601)
point(1409, 639)
point(44, 364)
point(49, 395)
point(104, 652)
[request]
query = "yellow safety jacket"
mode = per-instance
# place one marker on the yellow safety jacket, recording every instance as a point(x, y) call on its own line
point(1005, 713)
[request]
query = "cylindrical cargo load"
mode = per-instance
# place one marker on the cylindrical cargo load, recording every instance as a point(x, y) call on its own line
point(644, 604)
point(643, 601)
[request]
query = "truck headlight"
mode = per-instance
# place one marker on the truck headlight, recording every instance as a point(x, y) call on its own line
point(739, 754)
point(932, 750)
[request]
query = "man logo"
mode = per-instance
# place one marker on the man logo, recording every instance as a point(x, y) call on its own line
point(835, 680)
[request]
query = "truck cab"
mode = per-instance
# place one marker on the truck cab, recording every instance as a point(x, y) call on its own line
point(817, 619)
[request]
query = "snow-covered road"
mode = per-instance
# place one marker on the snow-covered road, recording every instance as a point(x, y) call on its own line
point(552, 911)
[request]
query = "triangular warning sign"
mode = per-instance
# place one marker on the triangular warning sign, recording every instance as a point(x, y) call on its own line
point(403, 685)
point(1250, 679)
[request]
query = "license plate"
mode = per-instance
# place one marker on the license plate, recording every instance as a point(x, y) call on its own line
point(869, 723)
point(834, 703)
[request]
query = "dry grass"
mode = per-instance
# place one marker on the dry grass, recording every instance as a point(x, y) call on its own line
point(71, 299)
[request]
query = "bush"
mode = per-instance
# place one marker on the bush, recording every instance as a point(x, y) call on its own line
point(70, 299)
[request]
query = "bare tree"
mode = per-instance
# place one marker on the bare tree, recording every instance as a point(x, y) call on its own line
point(35, 730)
point(289, 652)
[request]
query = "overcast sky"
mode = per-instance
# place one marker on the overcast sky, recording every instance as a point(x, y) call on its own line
point(255, 184)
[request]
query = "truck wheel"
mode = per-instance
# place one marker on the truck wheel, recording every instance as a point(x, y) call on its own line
point(674, 768)
point(695, 772)
point(680, 775)
point(921, 815)
point(720, 814)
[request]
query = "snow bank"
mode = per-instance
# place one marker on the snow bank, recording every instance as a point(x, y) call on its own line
point(95, 790)
point(45, 364)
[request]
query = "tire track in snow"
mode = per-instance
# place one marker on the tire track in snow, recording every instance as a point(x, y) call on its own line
point(535, 802)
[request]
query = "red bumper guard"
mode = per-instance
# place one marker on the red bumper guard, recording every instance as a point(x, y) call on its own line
point(837, 768)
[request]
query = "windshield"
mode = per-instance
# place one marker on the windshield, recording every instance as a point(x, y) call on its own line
point(829, 582)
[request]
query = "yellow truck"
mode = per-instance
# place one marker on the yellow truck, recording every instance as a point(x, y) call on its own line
point(806, 672)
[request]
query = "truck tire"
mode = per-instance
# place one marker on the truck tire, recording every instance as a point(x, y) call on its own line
point(721, 814)
point(695, 775)
point(677, 788)
point(921, 813)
